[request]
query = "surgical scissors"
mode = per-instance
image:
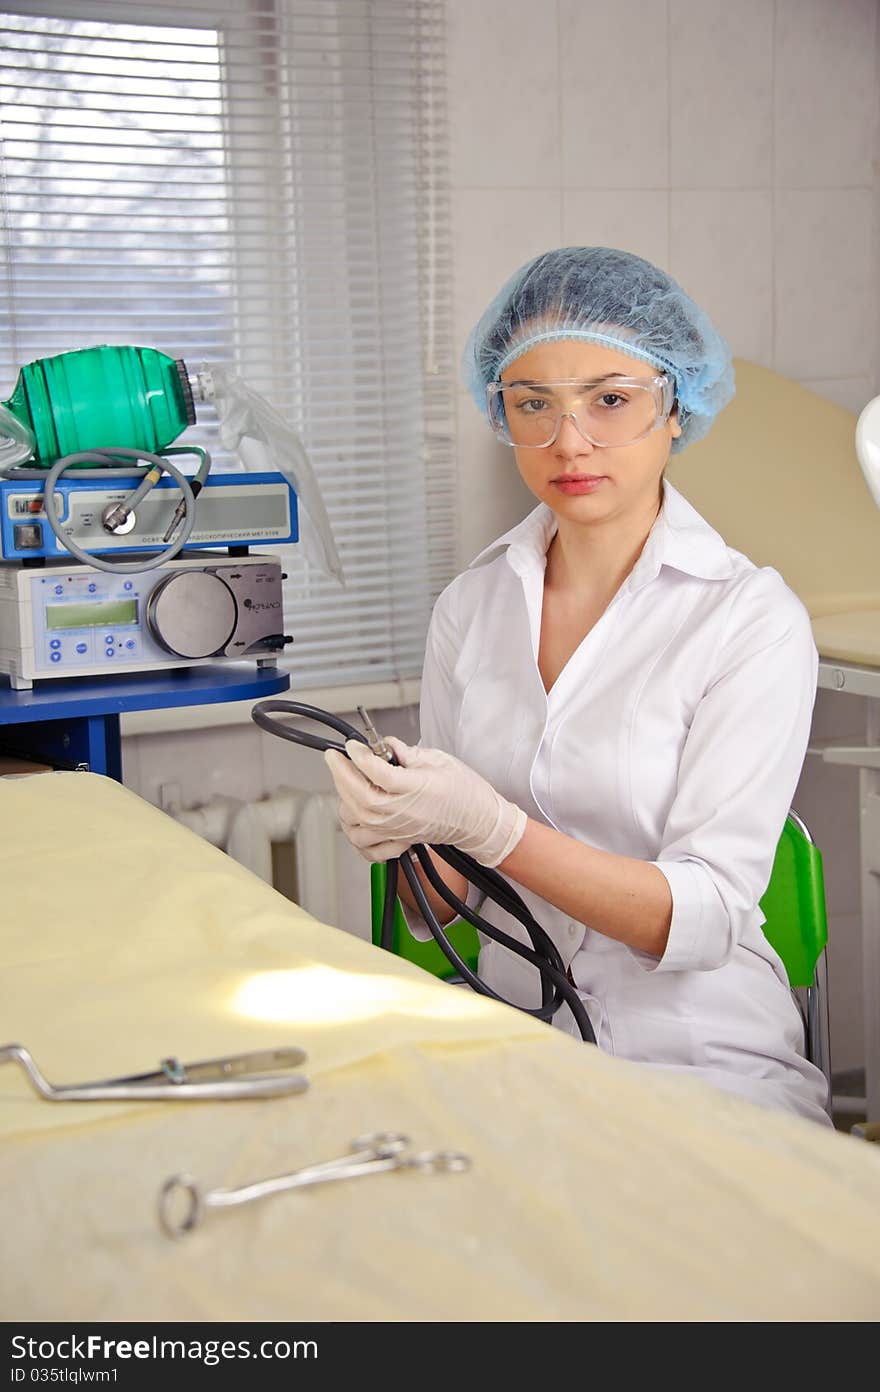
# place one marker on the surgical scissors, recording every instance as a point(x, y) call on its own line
point(211, 1080)
point(371, 1154)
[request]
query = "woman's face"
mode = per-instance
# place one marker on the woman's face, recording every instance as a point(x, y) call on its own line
point(579, 481)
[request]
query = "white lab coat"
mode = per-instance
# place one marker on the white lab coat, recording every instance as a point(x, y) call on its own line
point(674, 734)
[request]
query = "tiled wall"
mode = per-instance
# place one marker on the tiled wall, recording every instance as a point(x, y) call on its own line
point(730, 141)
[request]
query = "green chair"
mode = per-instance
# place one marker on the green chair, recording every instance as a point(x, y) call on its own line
point(796, 928)
point(424, 954)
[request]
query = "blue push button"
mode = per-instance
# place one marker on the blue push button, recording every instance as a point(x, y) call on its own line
point(109, 652)
point(130, 643)
point(59, 589)
point(82, 647)
point(92, 589)
point(129, 585)
point(55, 657)
point(54, 642)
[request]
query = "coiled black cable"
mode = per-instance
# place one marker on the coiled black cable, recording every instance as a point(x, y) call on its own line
point(556, 987)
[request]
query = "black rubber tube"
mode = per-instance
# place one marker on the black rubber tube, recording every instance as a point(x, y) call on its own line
point(556, 987)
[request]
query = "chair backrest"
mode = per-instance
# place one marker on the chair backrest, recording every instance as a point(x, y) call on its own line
point(424, 954)
point(794, 903)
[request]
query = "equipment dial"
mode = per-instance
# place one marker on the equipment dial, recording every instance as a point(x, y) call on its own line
point(192, 613)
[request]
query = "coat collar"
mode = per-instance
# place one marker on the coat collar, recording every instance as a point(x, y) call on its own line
point(680, 538)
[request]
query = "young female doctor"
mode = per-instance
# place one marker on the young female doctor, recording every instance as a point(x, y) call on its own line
point(615, 704)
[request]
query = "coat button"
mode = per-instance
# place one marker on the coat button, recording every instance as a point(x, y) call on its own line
point(573, 928)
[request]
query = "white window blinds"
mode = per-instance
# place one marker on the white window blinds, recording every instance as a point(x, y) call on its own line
point(261, 183)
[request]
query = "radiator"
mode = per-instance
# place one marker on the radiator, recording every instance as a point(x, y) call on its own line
point(247, 831)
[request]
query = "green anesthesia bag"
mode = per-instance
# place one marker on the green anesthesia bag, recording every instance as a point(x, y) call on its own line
point(94, 398)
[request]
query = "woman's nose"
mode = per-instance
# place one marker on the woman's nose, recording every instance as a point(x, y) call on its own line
point(569, 440)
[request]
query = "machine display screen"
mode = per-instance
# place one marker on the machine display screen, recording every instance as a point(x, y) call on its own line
point(100, 614)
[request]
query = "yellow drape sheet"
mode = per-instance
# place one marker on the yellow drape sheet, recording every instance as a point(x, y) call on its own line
point(598, 1190)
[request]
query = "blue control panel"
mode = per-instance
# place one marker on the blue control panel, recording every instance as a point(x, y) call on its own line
point(239, 509)
point(91, 621)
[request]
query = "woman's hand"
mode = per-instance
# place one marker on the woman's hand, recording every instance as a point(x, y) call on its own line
point(429, 797)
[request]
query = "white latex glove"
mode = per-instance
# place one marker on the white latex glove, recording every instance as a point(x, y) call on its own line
point(430, 797)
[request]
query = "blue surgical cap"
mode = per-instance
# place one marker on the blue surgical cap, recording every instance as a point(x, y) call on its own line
point(599, 295)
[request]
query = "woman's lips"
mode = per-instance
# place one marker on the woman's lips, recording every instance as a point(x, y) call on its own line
point(578, 483)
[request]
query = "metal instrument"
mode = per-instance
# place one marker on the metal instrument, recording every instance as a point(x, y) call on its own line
point(377, 742)
point(71, 621)
point(257, 509)
point(264, 1073)
point(375, 1153)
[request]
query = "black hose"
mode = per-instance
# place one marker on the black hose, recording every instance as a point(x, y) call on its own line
point(556, 987)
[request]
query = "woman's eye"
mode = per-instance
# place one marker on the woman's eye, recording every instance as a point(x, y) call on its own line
point(532, 405)
point(612, 400)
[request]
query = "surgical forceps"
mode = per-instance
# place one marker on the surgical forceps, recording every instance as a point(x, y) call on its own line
point(371, 1154)
point(210, 1080)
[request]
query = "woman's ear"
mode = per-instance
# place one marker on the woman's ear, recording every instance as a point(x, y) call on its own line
point(675, 428)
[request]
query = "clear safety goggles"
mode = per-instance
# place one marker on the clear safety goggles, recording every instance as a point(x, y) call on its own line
point(608, 412)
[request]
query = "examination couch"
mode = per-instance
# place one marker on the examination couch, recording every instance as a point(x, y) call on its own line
point(598, 1191)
